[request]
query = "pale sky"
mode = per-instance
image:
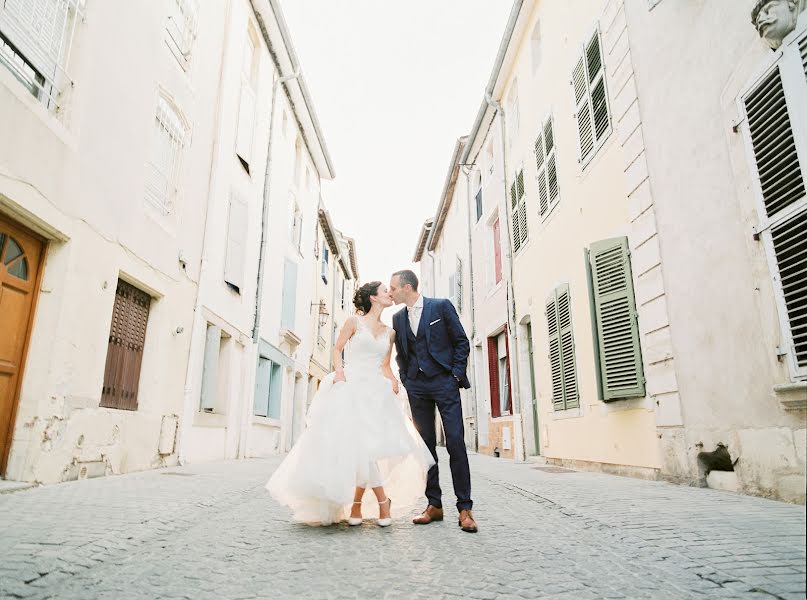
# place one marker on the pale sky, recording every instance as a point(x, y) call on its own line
point(394, 84)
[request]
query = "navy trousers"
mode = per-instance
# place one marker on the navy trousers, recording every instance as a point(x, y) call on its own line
point(442, 392)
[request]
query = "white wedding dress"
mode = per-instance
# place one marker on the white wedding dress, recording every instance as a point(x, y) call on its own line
point(358, 434)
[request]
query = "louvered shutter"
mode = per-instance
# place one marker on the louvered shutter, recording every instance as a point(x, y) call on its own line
point(246, 125)
point(616, 320)
point(452, 288)
point(210, 368)
point(127, 336)
point(514, 216)
point(570, 393)
point(288, 309)
point(555, 364)
point(493, 376)
point(591, 98)
point(509, 377)
point(777, 130)
point(237, 226)
point(547, 168)
point(275, 392)
point(561, 349)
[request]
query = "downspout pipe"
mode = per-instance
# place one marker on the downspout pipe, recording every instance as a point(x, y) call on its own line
point(467, 172)
point(515, 383)
point(256, 326)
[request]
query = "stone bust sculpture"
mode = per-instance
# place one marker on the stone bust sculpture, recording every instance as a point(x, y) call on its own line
point(774, 19)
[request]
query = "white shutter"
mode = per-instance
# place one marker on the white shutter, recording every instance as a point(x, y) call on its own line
point(246, 125)
point(776, 133)
point(237, 228)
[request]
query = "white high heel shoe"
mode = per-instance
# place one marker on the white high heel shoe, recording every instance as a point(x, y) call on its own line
point(353, 521)
point(388, 521)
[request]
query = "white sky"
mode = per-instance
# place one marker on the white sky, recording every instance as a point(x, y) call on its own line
point(394, 84)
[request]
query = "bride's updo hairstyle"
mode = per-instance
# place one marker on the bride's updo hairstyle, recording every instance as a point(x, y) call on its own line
point(361, 299)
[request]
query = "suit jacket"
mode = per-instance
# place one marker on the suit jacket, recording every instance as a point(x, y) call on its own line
point(445, 338)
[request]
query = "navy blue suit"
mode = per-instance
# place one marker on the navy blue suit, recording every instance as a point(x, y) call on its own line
point(432, 367)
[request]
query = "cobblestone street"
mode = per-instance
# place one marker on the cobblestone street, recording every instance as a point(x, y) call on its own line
point(211, 531)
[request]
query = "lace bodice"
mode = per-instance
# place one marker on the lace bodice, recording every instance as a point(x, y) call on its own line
point(366, 352)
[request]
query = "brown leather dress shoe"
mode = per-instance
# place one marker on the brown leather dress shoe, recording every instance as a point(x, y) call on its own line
point(466, 521)
point(432, 513)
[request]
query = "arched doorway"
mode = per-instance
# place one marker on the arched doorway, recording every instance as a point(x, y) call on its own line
point(20, 263)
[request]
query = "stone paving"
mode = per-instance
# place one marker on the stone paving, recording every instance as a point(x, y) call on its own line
point(212, 532)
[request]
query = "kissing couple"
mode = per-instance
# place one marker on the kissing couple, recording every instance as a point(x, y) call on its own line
point(359, 431)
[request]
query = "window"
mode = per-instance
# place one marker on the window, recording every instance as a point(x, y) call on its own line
point(298, 161)
point(512, 115)
point(285, 124)
point(35, 38)
point(616, 329)
point(343, 294)
point(455, 286)
point(561, 349)
point(289, 301)
point(215, 373)
point(237, 228)
point(296, 229)
point(163, 166)
point(489, 157)
point(499, 375)
point(181, 28)
point(324, 262)
point(127, 337)
point(535, 45)
point(478, 199)
point(775, 138)
point(497, 252)
point(518, 204)
point(548, 192)
point(591, 99)
point(246, 109)
point(268, 388)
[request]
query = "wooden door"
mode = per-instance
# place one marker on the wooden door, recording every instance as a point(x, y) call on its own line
point(20, 264)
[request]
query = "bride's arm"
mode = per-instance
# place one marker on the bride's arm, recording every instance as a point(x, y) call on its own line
point(385, 367)
point(348, 329)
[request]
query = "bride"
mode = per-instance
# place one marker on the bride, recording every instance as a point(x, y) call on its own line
point(358, 433)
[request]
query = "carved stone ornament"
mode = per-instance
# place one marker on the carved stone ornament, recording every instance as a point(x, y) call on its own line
point(775, 19)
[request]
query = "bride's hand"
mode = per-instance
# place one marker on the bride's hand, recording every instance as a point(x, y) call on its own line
point(340, 376)
point(395, 386)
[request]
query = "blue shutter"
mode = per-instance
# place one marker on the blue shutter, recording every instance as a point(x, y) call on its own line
point(275, 391)
point(262, 377)
point(289, 295)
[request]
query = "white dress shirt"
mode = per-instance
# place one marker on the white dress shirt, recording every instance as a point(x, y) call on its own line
point(414, 314)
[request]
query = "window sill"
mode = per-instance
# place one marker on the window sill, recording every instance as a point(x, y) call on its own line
point(264, 421)
point(208, 419)
point(502, 419)
point(792, 396)
point(569, 413)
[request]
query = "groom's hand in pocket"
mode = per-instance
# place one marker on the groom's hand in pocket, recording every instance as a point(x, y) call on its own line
point(396, 387)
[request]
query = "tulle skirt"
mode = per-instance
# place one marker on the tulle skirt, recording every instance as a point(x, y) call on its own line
point(359, 433)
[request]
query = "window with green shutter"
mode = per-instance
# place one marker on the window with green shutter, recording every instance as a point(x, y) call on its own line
point(518, 205)
point(591, 99)
point(619, 356)
point(562, 362)
point(548, 191)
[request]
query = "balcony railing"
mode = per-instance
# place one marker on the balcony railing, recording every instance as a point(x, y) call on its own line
point(35, 41)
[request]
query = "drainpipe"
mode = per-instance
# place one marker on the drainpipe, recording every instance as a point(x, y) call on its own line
point(467, 172)
point(265, 216)
point(515, 387)
point(186, 420)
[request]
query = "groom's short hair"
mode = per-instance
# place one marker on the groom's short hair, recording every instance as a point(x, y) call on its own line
point(406, 276)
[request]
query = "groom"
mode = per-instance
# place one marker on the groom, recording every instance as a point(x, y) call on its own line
point(432, 354)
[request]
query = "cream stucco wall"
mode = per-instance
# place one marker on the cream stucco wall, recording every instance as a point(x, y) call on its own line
point(725, 327)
